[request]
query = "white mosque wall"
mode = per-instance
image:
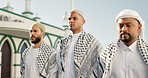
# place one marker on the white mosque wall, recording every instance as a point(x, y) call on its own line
point(15, 28)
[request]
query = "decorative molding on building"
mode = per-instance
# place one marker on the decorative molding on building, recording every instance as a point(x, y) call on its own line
point(27, 13)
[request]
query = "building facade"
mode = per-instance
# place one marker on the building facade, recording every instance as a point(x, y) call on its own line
point(14, 38)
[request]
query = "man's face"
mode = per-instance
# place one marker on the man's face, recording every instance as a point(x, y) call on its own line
point(128, 29)
point(36, 34)
point(76, 22)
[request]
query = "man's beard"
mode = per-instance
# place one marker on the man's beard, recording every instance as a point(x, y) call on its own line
point(125, 39)
point(37, 40)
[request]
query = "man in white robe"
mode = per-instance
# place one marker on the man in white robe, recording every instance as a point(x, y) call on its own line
point(78, 53)
point(128, 57)
point(39, 60)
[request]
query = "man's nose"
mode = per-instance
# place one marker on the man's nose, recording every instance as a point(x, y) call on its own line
point(124, 28)
point(71, 20)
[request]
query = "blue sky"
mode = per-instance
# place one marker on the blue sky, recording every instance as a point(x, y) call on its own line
point(100, 14)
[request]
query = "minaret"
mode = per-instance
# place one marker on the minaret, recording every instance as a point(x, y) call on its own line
point(27, 12)
point(27, 5)
point(36, 18)
point(8, 7)
point(72, 4)
point(65, 21)
point(65, 24)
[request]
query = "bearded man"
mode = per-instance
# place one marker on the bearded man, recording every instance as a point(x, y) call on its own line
point(128, 57)
point(39, 60)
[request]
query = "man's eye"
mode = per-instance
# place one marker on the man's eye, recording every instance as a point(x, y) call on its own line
point(129, 25)
point(35, 30)
point(69, 18)
point(74, 18)
point(120, 26)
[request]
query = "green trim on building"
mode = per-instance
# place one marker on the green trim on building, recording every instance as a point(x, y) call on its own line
point(54, 35)
point(19, 47)
point(13, 64)
point(28, 31)
point(12, 41)
point(15, 28)
point(2, 39)
point(16, 53)
point(49, 40)
point(13, 36)
point(65, 26)
point(56, 42)
point(36, 18)
point(27, 13)
point(17, 14)
point(17, 50)
point(52, 26)
point(16, 64)
point(30, 19)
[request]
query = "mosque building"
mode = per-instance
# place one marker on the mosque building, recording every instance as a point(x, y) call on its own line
point(14, 37)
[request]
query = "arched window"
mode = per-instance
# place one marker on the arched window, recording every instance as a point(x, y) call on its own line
point(6, 60)
point(24, 46)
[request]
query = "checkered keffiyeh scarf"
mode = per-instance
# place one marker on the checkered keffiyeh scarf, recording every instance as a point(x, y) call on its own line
point(108, 54)
point(46, 56)
point(86, 52)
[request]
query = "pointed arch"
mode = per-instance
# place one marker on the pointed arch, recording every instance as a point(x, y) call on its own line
point(2, 40)
point(49, 40)
point(23, 45)
point(56, 42)
point(11, 43)
point(6, 59)
point(7, 41)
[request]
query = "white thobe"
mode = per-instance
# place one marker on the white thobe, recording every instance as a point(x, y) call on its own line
point(128, 63)
point(69, 60)
point(31, 68)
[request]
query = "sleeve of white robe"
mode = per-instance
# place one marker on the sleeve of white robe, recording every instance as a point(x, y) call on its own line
point(59, 67)
point(50, 70)
point(53, 66)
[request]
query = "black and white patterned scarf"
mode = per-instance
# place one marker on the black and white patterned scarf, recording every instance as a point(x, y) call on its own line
point(86, 54)
point(110, 51)
point(46, 60)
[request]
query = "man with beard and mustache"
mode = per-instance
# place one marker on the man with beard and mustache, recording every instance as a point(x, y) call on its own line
point(128, 57)
point(78, 53)
point(39, 60)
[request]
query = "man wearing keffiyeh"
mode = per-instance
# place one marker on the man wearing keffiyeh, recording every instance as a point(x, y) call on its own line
point(128, 57)
point(39, 60)
point(78, 53)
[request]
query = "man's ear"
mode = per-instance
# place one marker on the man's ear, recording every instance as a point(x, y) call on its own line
point(84, 21)
point(139, 28)
point(43, 34)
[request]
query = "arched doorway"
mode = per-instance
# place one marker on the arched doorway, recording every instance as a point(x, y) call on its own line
point(6, 60)
point(24, 46)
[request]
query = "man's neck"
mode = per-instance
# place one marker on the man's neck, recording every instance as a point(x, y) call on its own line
point(76, 32)
point(129, 43)
point(37, 45)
